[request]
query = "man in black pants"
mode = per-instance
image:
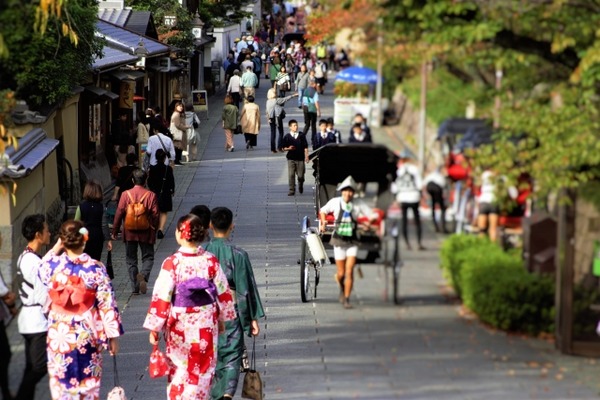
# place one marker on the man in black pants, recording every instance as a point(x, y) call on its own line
point(435, 183)
point(297, 155)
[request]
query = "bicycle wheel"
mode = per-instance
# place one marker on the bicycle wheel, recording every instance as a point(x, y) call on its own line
point(305, 268)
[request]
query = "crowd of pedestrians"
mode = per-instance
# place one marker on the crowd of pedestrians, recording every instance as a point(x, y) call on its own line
point(205, 300)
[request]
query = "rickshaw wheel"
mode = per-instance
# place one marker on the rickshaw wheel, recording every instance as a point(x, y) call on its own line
point(396, 264)
point(305, 267)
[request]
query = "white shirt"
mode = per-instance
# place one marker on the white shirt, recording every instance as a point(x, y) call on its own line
point(408, 184)
point(435, 177)
point(358, 208)
point(155, 144)
point(31, 317)
point(488, 189)
point(234, 84)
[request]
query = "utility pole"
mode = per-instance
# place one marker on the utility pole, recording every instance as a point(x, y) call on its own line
point(422, 116)
point(378, 88)
point(497, 101)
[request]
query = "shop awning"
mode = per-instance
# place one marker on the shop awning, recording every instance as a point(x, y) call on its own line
point(33, 149)
point(101, 92)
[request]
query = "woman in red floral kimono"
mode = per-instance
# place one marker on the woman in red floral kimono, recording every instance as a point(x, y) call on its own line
point(83, 318)
point(190, 302)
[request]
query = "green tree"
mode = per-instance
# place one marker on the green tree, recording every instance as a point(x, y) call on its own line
point(549, 52)
point(43, 68)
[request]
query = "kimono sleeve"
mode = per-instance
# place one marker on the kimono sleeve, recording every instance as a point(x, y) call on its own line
point(107, 304)
point(248, 298)
point(160, 304)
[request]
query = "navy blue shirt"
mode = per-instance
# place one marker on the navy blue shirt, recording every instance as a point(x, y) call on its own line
point(301, 144)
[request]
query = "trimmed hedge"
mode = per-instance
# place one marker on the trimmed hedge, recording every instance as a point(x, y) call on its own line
point(495, 285)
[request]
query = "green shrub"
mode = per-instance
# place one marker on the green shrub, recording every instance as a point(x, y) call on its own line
point(452, 255)
point(494, 285)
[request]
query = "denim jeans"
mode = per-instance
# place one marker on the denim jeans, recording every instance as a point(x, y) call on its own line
point(131, 258)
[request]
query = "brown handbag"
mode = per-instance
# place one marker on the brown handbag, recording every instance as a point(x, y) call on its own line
point(252, 387)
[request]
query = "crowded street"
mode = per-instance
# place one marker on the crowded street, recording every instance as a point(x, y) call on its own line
point(424, 348)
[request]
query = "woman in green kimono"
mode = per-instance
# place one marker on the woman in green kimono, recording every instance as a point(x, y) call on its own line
point(236, 266)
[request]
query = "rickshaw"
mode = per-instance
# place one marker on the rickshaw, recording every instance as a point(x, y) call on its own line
point(373, 167)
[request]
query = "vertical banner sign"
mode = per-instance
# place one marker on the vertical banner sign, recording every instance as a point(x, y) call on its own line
point(126, 94)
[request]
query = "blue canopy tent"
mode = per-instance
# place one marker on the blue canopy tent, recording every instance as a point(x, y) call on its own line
point(357, 75)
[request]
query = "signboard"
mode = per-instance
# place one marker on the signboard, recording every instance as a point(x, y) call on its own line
point(170, 20)
point(200, 101)
point(126, 94)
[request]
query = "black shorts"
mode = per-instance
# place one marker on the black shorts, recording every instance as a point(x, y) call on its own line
point(321, 81)
point(488, 208)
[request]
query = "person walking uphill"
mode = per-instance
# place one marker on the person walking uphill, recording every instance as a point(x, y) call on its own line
point(250, 122)
point(230, 119)
point(190, 304)
point(144, 238)
point(33, 324)
point(345, 211)
point(236, 265)
point(83, 318)
point(408, 194)
point(179, 131)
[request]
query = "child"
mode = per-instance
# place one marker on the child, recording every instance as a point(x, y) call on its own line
point(297, 154)
point(336, 133)
point(324, 136)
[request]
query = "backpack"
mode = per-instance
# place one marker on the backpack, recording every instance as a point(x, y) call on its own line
point(310, 102)
point(136, 218)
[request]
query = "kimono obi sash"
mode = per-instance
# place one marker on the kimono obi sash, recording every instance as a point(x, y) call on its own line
point(195, 292)
point(73, 297)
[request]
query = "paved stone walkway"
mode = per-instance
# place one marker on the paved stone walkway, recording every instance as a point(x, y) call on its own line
point(422, 349)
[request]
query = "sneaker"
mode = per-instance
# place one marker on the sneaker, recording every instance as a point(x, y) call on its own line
point(231, 149)
point(347, 304)
point(143, 284)
point(247, 144)
point(160, 234)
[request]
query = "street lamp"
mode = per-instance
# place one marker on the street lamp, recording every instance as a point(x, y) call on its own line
point(198, 25)
point(141, 52)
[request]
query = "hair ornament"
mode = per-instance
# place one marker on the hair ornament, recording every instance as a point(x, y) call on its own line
point(186, 230)
point(85, 233)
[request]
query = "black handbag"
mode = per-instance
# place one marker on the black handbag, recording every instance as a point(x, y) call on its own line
point(238, 130)
point(282, 114)
point(253, 387)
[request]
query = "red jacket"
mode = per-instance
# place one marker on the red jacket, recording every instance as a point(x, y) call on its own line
point(151, 204)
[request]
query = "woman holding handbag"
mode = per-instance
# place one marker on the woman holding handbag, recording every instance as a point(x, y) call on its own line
point(83, 319)
point(190, 304)
point(162, 182)
point(179, 131)
point(91, 213)
point(230, 121)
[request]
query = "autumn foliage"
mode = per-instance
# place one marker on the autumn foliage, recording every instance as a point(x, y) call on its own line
point(333, 15)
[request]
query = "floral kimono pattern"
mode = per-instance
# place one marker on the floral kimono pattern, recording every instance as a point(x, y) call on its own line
point(82, 316)
point(191, 332)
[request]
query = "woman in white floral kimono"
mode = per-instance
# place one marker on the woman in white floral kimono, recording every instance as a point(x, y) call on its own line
point(83, 319)
point(191, 301)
